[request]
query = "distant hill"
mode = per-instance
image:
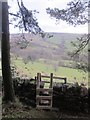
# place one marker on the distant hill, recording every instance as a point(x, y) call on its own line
point(54, 48)
point(57, 37)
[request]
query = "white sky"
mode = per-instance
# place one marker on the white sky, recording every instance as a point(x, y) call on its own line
point(45, 22)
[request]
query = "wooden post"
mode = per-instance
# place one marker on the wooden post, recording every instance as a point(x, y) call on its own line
point(35, 80)
point(51, 80)
point(38, 80)
point(51, 85)
point(65, 80)
point(40, 77)
point(38, 86)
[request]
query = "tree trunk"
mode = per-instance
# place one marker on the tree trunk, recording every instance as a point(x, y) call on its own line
point(5, 49)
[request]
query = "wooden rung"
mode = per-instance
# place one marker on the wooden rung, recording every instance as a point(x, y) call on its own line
point(43, 107)
point(45, 89)
point(45, 81)
point(62, 78)
point(44, 97)
point(45, 76)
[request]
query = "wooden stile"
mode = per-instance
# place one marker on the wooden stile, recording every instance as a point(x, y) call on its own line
point(44, 98)
point(49, 90)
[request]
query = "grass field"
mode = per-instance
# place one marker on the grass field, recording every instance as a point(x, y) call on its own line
point(31, 69)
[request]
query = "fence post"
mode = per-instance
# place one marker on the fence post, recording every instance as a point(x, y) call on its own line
point(65, 80)
point(38, 80)
point(51, 80)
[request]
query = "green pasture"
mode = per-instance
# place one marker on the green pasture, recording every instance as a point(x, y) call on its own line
point(32, 68)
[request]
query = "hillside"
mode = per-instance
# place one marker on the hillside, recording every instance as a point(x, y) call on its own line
point(55, 47)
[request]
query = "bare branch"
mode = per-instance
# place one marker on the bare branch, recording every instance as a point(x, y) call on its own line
point(83, 42)
point(15, 15)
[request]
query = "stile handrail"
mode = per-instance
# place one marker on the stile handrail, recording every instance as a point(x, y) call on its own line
point(61, 78)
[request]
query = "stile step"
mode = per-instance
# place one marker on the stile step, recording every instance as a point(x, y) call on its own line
point(44, 97)
point(44, 107)
point(45, 89)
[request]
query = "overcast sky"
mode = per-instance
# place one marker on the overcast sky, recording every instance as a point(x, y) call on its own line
point(45, 22)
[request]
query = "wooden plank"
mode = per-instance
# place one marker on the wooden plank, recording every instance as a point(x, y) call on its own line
point(44, 107)
point(38, 79)
point(62, 78)
point(51, 80)
point(47, 107)
point(44, 97)
point(45, 76)
point(45, 89)
point(45, 81)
